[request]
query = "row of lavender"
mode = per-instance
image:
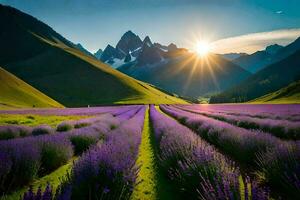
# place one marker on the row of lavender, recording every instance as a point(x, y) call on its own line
point(289, 112)
point(197, 168)
point(70, 111)
point(276, 161)
point(281, 128)
point(16, 131)
point(29, 157)
point(106, 170)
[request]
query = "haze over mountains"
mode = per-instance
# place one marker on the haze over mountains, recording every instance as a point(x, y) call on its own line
point(269, 79)
point(182, 72)
point(35, 53)
point(270, 55)
point(63, 73)
point(171, 68)
point(233, 56)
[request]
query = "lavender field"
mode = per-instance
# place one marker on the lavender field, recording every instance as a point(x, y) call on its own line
point(154, 152)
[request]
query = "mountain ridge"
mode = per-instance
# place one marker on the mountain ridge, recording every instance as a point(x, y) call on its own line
point(271, 54)
point(267, 80)
point(51, 64)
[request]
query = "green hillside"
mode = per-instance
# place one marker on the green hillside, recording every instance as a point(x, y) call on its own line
point(265, 81)
point(50, 63)
point(16, 93)
point(289, 94)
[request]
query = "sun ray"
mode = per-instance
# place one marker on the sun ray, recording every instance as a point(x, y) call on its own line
point(202, 48)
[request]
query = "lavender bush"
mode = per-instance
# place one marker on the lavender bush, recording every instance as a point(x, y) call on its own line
point(42, 130)
point(39, 195)
point(20, 163)
point(81, 143)
point(64, 126)
point(280, 112)
point(197, 168)
point(227, 137)
point(281, 168)
point(269, 155)
point(114, 110)
point(107, 171)
point(128, 114)
point(281, 128)
point(14, 131)
point(55, 154)
point(35, 155)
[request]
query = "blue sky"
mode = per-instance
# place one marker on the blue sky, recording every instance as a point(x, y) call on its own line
point(98, 23)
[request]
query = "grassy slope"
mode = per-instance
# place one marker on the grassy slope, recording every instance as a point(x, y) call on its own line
point(289, 94)
point(16, 93)
point(51, 64)
point(140, 92)
point(145, 93)
point(83, 80)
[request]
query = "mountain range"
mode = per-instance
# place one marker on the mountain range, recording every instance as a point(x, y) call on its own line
point(232, 56)
point(271, 78)
point(171, 68)
point(272, 54)
point(38, 55)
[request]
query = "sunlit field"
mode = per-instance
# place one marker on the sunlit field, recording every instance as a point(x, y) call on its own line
point(149, 100)
point(152, 152)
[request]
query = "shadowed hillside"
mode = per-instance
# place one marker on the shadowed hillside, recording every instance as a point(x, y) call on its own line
point(272, 54)
point(270, 79)
point(16, 93)
point(289, 94)
point(44, 59)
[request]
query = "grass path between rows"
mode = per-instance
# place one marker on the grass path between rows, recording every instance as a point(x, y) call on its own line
point(151, 182)
point(53, 179)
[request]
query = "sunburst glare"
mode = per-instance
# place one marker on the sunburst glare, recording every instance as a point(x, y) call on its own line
point(203, 48)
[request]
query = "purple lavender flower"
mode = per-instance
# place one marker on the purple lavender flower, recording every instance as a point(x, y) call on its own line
point(114, 110)
point(195, 166)
point(14, 131)
point(42, 130)
point(282, 128)
point(30, 195)
point(64, 126)
point(111, 164)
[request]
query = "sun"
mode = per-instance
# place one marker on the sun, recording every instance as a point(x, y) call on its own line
point(203, 48)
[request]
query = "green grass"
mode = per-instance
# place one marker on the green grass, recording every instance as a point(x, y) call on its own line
point(152, 182)
point(146, 189)
point(286, 95)
point(53, 179)
point(34, 120)
point(15, 93)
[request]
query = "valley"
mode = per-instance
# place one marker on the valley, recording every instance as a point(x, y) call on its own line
point(149, 100)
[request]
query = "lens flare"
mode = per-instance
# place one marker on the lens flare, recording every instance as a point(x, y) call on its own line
point(203, 48)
